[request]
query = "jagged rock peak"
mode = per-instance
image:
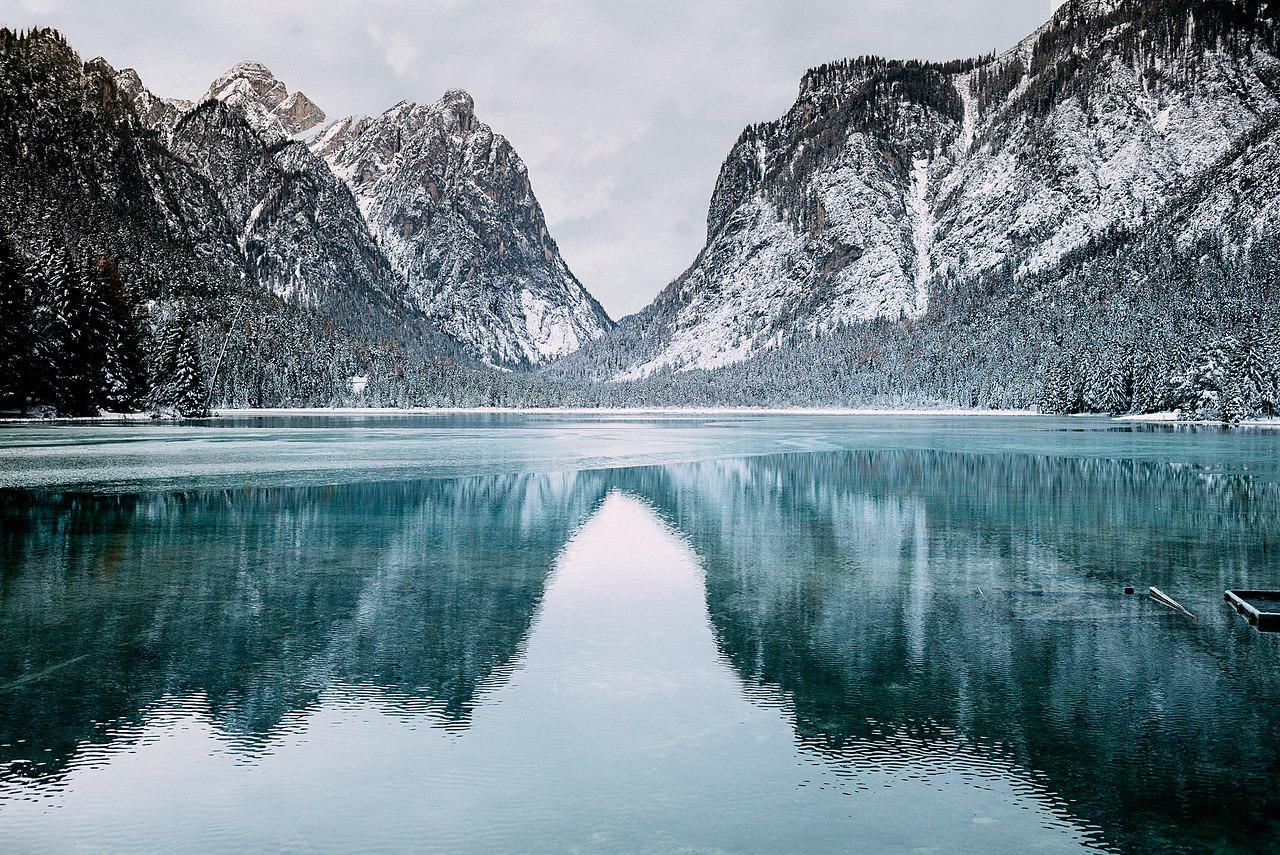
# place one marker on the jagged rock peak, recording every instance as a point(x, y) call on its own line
point(457, 112)
point(451, 205)
point(153, 111)
point(251, 89)
point(459, 100)
point(454, 113)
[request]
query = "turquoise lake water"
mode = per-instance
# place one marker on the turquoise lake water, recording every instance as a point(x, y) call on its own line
point(634, 633)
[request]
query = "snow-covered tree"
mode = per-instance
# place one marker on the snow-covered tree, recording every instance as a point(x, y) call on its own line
point(1256, 370)
point(123, 384)
point(177, 382)
point(1207, 390)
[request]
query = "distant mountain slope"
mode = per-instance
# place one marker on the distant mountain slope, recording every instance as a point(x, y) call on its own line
point(892, 189)
point(451, 205)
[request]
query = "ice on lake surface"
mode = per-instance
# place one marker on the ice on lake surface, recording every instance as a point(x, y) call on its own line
point(546, 633)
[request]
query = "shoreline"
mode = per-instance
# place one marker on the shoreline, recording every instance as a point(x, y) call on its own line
point(284, 412)
point(611, 411)
point(1171, 418)
point(237, 413)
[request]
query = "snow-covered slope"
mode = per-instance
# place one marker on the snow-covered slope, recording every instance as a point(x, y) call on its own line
point(887, 180)
point(452, 207)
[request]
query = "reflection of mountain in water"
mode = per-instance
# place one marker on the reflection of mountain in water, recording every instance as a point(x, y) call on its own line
point(884, 595)
point(260, 599)
point(922, 594)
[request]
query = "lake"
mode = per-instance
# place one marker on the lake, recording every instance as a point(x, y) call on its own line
point(636, 633)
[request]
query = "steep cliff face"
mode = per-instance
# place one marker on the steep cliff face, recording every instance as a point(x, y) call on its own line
point(888, 182)
point(299, 231)
point(452, 208)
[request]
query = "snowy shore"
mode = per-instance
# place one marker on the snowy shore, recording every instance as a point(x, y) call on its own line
point(610, 411)
point(284, 412)
point(1172, 418)
point(280, 412)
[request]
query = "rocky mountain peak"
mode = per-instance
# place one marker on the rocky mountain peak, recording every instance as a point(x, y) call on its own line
point(458, 100)
point(455, 112)
point(452, 208)
point(266, 103)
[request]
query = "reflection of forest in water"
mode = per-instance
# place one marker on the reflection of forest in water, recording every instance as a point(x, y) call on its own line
point(896, 595)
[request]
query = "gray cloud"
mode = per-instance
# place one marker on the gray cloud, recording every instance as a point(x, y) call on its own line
point(623, 111)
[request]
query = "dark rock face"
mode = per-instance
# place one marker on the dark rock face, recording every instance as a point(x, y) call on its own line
point(451, 205)
point(888, 183)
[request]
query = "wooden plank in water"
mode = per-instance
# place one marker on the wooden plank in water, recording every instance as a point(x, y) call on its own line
point(1165, 600)
point(1244, 603)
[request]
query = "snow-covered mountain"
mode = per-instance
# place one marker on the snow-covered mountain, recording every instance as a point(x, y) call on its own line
point(251, 89)
point(1085, 222)
point(183, 222)
point(215, 210)
point(294, 227)
point(451, 205)
point(889, 183)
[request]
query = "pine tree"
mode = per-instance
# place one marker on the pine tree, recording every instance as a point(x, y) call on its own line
point(122, 383)
point(1061, 394)
point(177, 383)
point(68, 350)
point(1206, 391)
point(1110, 387)
point(188, 382)
point(1255, 373)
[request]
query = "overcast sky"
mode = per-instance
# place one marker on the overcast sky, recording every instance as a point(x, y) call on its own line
point(623, 111)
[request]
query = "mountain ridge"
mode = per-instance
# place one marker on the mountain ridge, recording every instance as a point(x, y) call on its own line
point(1082, 223)
point(887, 177)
